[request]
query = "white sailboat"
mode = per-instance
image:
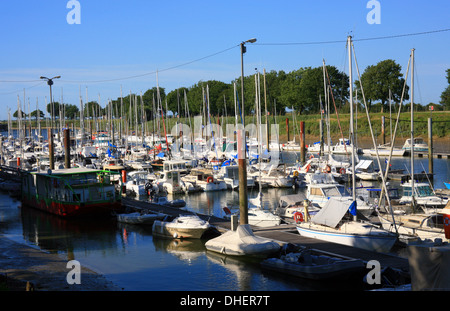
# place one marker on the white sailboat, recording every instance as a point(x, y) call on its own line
point(330, 224)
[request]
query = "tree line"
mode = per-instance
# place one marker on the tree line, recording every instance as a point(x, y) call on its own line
point(301, 90)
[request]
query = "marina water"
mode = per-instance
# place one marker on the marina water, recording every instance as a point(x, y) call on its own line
point(133, 259)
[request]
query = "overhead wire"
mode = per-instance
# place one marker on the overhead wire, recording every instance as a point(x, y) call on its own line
point(227, 49)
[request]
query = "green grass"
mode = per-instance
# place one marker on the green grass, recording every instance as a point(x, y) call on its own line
point(312, 123)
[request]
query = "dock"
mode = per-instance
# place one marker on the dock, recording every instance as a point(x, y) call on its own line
point(285, 233)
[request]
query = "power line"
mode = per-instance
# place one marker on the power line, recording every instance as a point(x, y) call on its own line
point(153, 72)
point(363, 39)
point(230, 48)
point(26, 88)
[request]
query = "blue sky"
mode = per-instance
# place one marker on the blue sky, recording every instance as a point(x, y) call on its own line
point(120, 39)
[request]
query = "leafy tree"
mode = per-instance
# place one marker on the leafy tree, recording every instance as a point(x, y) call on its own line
point(34, 114)
point(16, 114)
point(445, 96)
point(92, 108)
point(71, 111)
point(55, 109)
point(290, 90)
point(311, 87)
point(378, 79)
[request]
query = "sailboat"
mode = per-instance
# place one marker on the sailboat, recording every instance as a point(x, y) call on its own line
point(331, 225)
point(427, 225)
point(332, 222)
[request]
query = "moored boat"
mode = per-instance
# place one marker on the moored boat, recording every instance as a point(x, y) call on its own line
point(242, 242)
point(311, 264)
point(138, 218)
point(329, 225)
point(71, 192)
point(182, 227)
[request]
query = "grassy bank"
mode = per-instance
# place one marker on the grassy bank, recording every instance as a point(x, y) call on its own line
point(337, 127)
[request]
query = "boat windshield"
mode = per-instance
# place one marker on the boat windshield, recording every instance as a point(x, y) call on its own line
point(424, 191)
point(335, 191)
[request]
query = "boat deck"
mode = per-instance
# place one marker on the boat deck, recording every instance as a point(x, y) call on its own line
point(286, 233)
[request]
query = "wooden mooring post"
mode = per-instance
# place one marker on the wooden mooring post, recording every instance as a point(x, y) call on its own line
point(430, 146)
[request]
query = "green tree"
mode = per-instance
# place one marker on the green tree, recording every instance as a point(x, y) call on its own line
point(378, 79)
point(34, 114)
point(16, 114)
point(445, 96)
point(71, 111)
point(311, 88)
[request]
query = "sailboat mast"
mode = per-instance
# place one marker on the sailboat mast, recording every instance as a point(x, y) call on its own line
point(349, 43)
point(412, 126)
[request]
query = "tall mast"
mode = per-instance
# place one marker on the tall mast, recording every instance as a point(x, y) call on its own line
point(349, 44)
point(412, 126)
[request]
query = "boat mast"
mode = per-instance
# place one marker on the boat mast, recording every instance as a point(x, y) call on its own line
point(349, 44)
point(412, 127)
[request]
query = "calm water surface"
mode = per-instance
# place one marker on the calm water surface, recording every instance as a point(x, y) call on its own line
point(133, 259)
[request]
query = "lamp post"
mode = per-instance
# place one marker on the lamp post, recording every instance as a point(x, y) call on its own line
point(242, 161)
point(51, 145)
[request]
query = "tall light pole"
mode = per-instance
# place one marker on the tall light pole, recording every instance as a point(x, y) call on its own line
point(51, 145)
point(242, 160)
point(243, 50)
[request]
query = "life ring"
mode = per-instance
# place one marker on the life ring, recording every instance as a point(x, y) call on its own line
point(298, 217)
point(342, 171)
point(446, 221)
point(311, 157)
point(210, 179)
point(295, 173)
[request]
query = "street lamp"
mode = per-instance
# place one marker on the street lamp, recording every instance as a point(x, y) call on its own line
point(242, 159)
point(51, 145)
point(243, 50)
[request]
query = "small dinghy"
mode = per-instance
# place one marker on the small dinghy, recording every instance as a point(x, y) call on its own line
point(182, 227)
point(162, 200)
point(310, 264)
point(242, 242)
point(138, 218)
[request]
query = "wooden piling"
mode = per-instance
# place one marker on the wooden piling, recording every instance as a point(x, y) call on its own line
point(66, 148)
point(430, 146)
point(287, 129)
point(302, 142)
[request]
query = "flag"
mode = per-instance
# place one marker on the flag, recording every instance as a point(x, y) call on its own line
point(352, 208)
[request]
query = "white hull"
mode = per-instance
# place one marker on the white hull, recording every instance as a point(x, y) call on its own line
point(373, 242)
point(386, 152)
point(187, 227)
point(418, 232)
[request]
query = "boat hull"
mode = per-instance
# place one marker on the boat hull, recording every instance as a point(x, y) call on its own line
point(181, 228)
point(315, 272)
point(382, 243)
point(137, 218)
point(66, 209)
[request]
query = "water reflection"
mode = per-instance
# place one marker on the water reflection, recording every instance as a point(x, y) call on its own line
point(132, 258)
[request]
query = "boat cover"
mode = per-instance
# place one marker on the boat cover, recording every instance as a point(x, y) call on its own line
point(332, 212)
point(429, 267)
point(293, 199)
point(363, 164)
point(242, 242)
